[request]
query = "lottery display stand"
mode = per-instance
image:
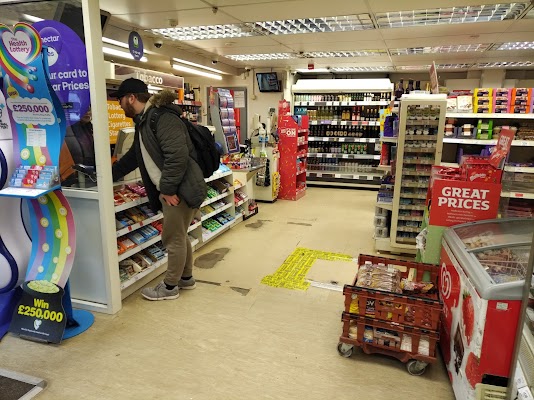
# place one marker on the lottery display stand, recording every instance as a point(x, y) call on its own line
point(33, 125)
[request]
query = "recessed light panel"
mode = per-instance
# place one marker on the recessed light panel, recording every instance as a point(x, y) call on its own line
point(206, 32)
point(260, 57)
point(412, 67)
point(361, 69)
point(440, 49)
point(506, 64)
point(451, 15)
point(514, 46)
point(341, 54)
point(341, 23)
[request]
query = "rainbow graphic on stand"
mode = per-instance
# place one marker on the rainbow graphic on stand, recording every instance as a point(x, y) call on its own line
point(54, 239)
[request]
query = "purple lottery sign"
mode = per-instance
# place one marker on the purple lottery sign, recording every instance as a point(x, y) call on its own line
point(135, 43)
point(67, 63)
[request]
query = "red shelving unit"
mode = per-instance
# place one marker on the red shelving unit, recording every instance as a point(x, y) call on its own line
point(293, 146)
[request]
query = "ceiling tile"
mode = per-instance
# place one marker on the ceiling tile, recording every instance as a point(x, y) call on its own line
point(121, 7)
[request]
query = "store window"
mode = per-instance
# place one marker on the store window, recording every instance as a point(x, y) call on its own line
point(60, 26)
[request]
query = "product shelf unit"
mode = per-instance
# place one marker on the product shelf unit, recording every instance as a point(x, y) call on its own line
point(421, 127)
point(517, 181)
point(344, 127)
point(199, 235)
point(293, 145)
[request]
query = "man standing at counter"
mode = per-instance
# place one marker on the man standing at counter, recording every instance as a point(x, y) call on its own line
point(174, 182)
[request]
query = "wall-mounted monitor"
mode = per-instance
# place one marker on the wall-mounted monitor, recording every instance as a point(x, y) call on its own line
point(268, 82)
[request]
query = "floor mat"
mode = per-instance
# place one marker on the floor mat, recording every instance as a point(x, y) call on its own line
point(292, 273)
point(17, 386)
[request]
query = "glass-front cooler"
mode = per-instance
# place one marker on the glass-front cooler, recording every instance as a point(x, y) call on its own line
point(483, 269)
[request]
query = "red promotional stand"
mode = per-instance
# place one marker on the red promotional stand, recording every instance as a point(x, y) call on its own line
point(293, 131)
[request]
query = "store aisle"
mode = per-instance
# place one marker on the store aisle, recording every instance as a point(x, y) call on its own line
point(235, 338)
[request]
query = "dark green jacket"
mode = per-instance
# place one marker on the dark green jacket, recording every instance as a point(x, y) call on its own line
point(172, 151)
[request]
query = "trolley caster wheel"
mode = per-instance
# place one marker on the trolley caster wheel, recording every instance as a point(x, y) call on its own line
point(345, 350)
point(416, 368)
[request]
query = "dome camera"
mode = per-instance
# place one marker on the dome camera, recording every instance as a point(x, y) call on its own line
point(214, 61)
point(158, 43)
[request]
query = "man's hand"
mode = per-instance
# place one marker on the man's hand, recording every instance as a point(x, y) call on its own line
point(173, 200)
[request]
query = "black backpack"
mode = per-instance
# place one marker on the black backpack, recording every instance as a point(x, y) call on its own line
point(208, 158)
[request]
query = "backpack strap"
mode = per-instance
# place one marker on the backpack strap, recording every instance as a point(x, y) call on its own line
point(157, 112)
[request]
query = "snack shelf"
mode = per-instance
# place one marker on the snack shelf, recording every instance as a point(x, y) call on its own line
point(525, 170)
point(489, 115)
point(345, 123)
point(412, 207)
point(138, 225)
point(389, 139)
point(342, 139)
point(384, 167)
point(218, 176)
point(411, 229)
point(384, 205)
point(239, 186)
point(364, 176)
point(131, 204)
point(418, 161)
point(413, 196)
point(207, 237)
point(410, 218)
point(421, 137)
point(217, 211)
point(419, 150)
point(415, 184)
point(143, 273)
point(346, 156)
point(140, 247)
point(219, 197)
point(341, 103)
point(194, 226)
point(518, 195)
point(451, 165)
point(240, 202)
point(492, 142)
point(415, 173)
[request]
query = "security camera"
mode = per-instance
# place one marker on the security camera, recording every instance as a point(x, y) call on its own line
point(158, 43)
point(248, 69)
point(293, 73)
point(214, 61)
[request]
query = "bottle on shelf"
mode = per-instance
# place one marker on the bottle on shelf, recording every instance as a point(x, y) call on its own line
point(400, 90)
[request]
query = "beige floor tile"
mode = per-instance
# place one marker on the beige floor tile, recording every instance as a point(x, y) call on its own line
point(215, 343)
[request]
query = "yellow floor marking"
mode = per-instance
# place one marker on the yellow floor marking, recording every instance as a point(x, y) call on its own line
point(292, 273)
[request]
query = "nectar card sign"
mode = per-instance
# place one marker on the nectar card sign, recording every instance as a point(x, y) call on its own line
point(135, 44)
point(458, 202)
point(498, 157)
point(67, 64)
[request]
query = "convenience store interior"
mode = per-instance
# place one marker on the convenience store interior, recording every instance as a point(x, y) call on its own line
point(234, 337)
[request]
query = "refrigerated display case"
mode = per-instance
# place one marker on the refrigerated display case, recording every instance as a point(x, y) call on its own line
point(483, 270)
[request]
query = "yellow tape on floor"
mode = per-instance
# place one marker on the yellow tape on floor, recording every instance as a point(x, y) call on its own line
point(292, 273)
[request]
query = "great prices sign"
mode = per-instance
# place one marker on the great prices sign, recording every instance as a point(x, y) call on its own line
point(458, 202)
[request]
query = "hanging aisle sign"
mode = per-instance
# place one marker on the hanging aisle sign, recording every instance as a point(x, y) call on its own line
point(38, 128)
point(123, 72)
point(135, 43)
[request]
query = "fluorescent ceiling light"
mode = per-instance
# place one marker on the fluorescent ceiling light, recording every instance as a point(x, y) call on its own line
point(361, 69)
point(197, 65)
point(340, 54)
point(440, 49)
point(505, 64)
point(206, 32)
point(451, 15)
point(342, 23)
point(31, 18)
point(196, 72)
point(514, 46)
point(454, 66)
point(119, 53)
point(122, 44)
point(260, 57)
point(311, 71)
point(412, 67)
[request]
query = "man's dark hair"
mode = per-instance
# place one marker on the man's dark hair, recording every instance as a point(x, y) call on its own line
point(142, 97)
